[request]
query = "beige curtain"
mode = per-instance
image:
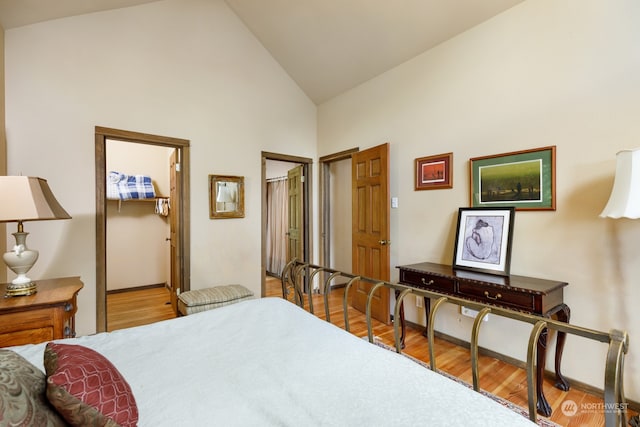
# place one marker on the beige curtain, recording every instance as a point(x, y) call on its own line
point(277, 225)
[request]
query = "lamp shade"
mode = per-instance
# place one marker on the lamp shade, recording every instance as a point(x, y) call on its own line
point(26, 198)
point(226, 194)
point(624, 201)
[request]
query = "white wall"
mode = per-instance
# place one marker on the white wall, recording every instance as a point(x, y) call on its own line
point(138, 253)
point(278, 169)
point(180, 68)
point(546, 72)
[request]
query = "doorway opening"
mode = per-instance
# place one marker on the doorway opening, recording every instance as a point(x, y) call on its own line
point(335, 210)
point(179, 234)
point(297, 229)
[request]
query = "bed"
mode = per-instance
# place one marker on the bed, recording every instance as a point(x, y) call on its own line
point(268, 362)
point(300, 280)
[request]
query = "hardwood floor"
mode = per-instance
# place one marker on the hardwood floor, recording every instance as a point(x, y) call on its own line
point(496, 376)
point(138, 307)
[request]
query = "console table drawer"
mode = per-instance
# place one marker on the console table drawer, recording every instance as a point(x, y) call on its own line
point(496, 295)
point(26, 336)
point(427, 281)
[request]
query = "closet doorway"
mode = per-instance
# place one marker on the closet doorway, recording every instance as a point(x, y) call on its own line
point(173, 233)
point(286, 183)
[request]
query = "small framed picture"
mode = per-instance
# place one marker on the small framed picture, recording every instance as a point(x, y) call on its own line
point(226, 196)
point(483, 240)
point(524, 179)
point(434, 172)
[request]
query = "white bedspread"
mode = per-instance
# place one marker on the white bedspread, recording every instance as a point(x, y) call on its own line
point(266, 362)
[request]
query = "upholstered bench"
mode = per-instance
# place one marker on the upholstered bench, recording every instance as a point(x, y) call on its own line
point(199, 300)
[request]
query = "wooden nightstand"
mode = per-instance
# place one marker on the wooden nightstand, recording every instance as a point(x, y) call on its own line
point(47, 315)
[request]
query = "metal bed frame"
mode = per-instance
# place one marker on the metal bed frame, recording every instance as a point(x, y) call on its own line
point(298, 278)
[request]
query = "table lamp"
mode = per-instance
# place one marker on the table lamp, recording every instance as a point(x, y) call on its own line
point(25, 198)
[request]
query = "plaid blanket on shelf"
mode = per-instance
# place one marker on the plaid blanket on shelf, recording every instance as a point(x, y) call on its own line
point(124, 187)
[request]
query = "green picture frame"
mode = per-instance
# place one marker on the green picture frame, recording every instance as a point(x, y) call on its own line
point(524, 180)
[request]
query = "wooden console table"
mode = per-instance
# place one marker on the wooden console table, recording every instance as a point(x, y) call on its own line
point(47, 315)
point(526, 294)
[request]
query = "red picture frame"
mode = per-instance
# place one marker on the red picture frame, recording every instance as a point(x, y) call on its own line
point(434, 172)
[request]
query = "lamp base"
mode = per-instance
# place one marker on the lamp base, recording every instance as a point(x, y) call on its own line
point(23, 289)
point(20, 260)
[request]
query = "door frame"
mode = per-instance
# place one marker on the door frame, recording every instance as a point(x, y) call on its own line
point(102, 134)
point(306, 214)
point(325, 200)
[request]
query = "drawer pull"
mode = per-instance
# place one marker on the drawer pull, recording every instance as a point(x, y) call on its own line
point(68, 332)
point(424, 282)
point(498, 296)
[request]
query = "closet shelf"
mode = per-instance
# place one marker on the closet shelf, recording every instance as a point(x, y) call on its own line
point(148, 199)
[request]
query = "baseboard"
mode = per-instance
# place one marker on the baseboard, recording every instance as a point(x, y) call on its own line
point(138, 288)
point(578, 385)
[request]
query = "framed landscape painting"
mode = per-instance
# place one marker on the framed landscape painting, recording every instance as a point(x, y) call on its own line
point(522, 179)
point(434, 172)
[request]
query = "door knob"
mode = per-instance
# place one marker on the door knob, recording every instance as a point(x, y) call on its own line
point(384, 242)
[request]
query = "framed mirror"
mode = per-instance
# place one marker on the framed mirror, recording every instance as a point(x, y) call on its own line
point(226, 196)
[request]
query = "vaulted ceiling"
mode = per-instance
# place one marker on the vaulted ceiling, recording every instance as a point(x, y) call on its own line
point(326, 46)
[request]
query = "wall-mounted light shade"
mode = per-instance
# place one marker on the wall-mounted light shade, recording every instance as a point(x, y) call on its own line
point(624, 201)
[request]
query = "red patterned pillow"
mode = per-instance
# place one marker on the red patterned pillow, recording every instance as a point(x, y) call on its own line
point(86, 388)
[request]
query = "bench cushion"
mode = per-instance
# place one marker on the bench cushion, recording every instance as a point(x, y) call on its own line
point(199, 300)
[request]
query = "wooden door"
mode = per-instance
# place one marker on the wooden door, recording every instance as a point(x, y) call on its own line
point(295, 235)
point(174, 236)
point(370, 227)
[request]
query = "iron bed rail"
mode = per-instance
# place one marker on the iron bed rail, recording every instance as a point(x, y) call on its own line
point(298, 277)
